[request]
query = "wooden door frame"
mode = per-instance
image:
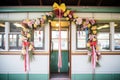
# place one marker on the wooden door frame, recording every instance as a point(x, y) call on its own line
point(69, 44)
point(69, 49)
point(49, 48)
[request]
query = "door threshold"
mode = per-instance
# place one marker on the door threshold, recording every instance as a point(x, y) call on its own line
point(59, 75)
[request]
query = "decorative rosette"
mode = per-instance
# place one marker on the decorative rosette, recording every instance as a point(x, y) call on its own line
point(61, 11)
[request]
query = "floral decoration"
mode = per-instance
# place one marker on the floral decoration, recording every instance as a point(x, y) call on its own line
point(61, 11)
point(90, 25)
point(29, 25)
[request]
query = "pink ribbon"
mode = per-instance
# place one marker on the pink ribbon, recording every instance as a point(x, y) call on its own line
point(59, 48)
point(93, 58)
point(26, 57)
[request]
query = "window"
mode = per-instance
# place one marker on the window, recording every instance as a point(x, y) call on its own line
point(81, 39)
point(15, 37)
point(39, 39)
point(64, 39)
point(117, 37)
point(14, 41)
point(2, 36)
point(103, 41)
point(103, 36)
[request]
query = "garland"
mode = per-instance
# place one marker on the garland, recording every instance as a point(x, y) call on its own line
point(60, 11)
point(89, 25)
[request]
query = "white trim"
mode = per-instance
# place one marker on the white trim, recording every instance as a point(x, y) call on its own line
point(112, 36)
point(7, 30)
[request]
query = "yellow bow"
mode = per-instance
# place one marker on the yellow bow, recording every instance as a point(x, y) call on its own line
point(61, 6)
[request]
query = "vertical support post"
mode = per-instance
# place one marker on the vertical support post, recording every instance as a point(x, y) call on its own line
point(7, 30)
point(112, 36)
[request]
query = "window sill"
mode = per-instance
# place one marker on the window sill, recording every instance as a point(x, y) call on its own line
point(18, 52)
point(102, 53)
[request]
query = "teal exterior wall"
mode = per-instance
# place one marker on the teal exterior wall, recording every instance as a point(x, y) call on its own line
point(24, 77)
point(49, 8)
point(96, 77)
point(46, 77)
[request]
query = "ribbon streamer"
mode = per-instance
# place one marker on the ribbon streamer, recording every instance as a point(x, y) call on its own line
point(93, 58)
point(25, 62)
point(59, 50)
point(26, 57)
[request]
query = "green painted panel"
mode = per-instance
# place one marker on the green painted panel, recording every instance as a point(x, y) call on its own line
point(25, 9)
point(96, 77)
point(17, 76)
point(81, 77)
point(24, 77)
point(54, 61)
point(46, 77)
point(38, 77)
point(4, 77)
point(77, 9)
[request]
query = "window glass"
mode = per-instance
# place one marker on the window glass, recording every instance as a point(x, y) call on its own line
point(0, 40)
point(39, 39)
point(117, 37)
point(2, 27)
point(81, 39)
point(15, 41)
point(103, 36)
point(55, 40)
point(2, 35)
point(19, 40)
point(14, 27)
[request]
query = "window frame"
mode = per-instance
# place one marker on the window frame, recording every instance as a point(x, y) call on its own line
point(116, 39)
point(17, 47)
point(111, 38)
